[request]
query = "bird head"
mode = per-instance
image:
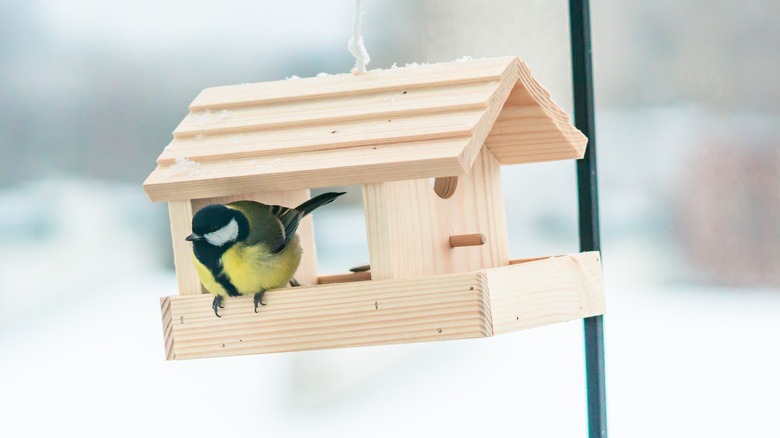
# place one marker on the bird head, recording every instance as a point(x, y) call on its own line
point(218, 225)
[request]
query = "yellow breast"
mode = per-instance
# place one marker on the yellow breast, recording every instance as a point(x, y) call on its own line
point(253, 268)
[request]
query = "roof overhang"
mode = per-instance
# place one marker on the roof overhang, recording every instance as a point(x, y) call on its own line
point(383, 125)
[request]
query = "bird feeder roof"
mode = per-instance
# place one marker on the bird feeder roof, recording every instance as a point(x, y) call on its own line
point(382, 125)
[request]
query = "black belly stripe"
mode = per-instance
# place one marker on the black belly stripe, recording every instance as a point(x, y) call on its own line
point(209, 256)
point(225, 283)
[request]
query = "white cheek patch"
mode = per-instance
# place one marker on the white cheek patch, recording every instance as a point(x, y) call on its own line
point(228, 233)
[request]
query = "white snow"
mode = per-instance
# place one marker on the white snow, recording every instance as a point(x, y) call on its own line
point(182, 165)
point(205, 118)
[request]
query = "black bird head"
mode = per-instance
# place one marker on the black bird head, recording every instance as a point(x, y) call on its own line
point(219, 226)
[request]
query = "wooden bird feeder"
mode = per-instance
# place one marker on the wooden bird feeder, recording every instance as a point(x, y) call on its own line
point(439, 258)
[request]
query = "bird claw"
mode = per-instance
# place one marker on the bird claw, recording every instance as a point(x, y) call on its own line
point(258, 298)
point(217, 304)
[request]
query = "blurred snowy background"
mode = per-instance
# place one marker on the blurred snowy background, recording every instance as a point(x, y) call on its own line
point(688, 117)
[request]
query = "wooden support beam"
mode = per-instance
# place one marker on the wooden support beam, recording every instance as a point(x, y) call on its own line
point(180, 213)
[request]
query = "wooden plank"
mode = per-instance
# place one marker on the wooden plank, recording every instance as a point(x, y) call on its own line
point(376, 105)
point(332, 316)
point(552, 290)
point(189, 179)
point(347, 84)
point(307, 270)
point(350, 134)
point(439, 307)
point(167, 322)
point(344, 278)
point(180, 214)
point(494, 109)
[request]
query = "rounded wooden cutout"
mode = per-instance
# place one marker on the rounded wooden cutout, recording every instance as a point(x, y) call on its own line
point(445, 187)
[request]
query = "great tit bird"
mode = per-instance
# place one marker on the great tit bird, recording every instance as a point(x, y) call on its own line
point(246, 247)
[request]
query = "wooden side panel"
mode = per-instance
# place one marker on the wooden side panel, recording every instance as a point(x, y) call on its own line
point(307, 271)
point(331, 316)
point(532, 128)
point(180, 213)
point(409, 226)
point(545, 291)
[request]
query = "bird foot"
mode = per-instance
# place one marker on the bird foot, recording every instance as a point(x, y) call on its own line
point(294, 282)
point(217, 304)
point(258, 299)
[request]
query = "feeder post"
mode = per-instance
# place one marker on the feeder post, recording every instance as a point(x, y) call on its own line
point(587, 188)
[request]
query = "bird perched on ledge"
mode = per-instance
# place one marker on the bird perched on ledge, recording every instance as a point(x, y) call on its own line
point(246, 247)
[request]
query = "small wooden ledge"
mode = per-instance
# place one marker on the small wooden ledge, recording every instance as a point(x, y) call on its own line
point(438, 307)
point(345, 278)
point(475, 239)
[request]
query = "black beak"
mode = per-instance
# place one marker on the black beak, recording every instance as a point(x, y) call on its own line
point(193, 237)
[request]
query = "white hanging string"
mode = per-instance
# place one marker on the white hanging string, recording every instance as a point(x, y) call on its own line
point(356, 46)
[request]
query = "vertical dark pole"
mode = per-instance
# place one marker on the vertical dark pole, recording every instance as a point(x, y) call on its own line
point(587, 188)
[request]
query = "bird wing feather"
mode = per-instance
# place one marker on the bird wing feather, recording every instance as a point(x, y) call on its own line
point(273, 225)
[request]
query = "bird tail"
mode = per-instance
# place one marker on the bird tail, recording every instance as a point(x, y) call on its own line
point(317, 202)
